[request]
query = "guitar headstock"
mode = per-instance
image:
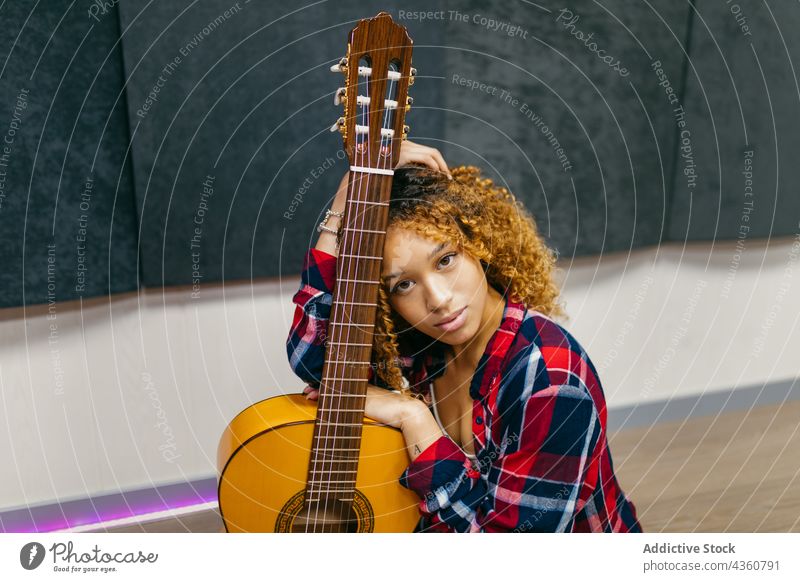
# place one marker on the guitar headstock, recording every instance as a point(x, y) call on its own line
point(378, 72)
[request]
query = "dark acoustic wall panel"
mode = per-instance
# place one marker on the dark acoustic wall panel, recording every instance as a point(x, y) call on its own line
point(744, 131)
point(230, 105)
point(67, 217)
point(573, 119)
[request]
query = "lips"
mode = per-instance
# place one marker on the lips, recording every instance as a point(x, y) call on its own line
point(451, 318)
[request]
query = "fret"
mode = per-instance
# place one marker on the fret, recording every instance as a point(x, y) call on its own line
point(357, 303)
point(351, 343)
point(328, 480)
point(356, 281)
point(340, 409)
point(324, 460)
point(339, 460)
point(350, 362)
point(373, 203)
point(324, 491)
point(362, 257)
point(365, 230)
point(343, 378)
point(353, 324)
point(335, 395)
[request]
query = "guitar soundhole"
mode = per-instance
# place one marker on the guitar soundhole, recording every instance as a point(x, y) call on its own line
point(359, 519)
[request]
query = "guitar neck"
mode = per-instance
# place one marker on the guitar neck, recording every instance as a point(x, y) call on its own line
point(378, 72)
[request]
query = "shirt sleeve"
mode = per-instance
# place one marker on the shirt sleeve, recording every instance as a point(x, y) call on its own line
point(544, 472)
point(305, 345)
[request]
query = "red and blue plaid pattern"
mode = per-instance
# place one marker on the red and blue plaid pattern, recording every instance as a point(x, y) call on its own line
point(538, 421)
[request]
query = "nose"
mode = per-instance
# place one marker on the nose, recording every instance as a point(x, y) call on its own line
point(439, 295)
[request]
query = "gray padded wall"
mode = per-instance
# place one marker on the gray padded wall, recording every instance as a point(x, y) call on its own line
point(741, 96)
point(609, 189)
point(250, 103)
point(229, 103)
point(67, 217)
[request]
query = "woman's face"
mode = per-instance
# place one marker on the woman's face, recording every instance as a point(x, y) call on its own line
point(429, 282)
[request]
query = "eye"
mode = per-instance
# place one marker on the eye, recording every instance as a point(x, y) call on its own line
point(397, 287)
point(448, 256)
point(448, 260)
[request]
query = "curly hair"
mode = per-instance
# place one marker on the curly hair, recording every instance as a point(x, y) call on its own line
point(480, 218)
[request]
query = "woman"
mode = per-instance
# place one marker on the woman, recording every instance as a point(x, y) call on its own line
point(501, 409)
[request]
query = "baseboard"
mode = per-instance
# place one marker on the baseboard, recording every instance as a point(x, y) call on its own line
point(706, 404)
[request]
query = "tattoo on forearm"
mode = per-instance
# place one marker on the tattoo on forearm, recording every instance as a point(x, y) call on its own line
point(416, 449)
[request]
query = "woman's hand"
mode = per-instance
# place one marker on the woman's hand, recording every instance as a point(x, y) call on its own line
point(410, 152)
point(420, 429)
point(382, 405)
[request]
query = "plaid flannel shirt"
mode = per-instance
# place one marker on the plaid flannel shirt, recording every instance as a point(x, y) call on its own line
point(538, 423)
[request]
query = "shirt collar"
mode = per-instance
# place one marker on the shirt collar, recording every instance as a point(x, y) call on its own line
point(494, 353)
point(496, 349)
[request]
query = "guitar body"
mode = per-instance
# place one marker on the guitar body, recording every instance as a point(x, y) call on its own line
point(263, 458)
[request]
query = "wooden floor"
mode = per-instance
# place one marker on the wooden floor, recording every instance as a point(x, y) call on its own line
point(738, 472)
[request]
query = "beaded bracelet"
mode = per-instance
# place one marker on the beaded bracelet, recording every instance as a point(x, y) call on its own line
point(322, 224)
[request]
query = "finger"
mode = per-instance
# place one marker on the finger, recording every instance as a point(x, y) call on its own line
point(307, 389)
point(437, 155)
point(429, 161)
point(313, 395)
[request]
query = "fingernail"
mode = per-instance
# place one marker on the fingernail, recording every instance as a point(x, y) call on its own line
point(450, 176)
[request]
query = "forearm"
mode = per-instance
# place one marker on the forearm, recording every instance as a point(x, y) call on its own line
point(326, 242)
point(420, 430)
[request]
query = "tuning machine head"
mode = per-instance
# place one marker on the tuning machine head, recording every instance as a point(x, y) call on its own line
point(340, 67)
point(341, 126)
point(340, 97)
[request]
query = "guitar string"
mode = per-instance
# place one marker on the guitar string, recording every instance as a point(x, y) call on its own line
point(385, 122)
point(328, 393)
point(365, 117)
point(361, 217)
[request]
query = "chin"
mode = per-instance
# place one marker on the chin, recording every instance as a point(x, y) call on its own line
point(458, 337)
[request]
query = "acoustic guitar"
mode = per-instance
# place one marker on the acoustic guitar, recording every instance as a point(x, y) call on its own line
point(291, 465)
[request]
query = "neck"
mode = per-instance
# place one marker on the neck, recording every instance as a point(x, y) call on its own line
point(468, 355)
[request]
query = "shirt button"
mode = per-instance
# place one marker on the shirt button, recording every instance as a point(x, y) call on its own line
point(479, 419)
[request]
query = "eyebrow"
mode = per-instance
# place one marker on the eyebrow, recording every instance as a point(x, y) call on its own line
point(433, 253)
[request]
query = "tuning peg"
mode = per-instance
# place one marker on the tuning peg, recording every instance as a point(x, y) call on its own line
point(412, 76)
point(340, 96)
point(409, 101)
point(406, 129)
point(340, 125)
point(340, 67)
